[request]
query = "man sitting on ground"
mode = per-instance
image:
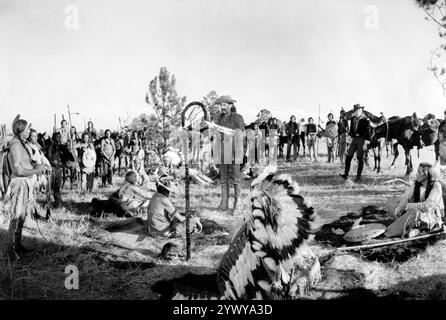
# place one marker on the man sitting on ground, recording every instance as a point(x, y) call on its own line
point(127, 201)
point(163, 219)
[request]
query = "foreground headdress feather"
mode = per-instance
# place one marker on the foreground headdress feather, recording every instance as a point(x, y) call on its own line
point(265, 258)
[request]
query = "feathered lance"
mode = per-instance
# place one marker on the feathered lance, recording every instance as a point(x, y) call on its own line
point(186, 165)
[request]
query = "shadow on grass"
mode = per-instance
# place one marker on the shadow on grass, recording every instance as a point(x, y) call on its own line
point(204, 286)
point(78, 207)
point(40, 273)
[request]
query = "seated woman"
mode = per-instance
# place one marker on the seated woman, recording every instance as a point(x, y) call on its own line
point(421, 208)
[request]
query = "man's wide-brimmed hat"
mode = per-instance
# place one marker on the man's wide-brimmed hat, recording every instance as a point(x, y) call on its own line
point(357, 106)
point(225, 99)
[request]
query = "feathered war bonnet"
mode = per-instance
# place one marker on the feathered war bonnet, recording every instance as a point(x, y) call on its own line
point(164, 181)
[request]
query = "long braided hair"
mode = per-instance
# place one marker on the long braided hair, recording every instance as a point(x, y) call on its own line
point(431, 178)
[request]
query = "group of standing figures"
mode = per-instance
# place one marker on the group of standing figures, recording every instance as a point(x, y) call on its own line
point(83, 157)
point(302, 136)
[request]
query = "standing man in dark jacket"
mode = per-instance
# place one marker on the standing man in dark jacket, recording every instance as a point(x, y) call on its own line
point(282, 138)
point(57, 155)
point(360, 131)
point(293, 138)
point(342, 135)
point(232, 152)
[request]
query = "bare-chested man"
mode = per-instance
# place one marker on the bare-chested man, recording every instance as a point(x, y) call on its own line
point(20, 192)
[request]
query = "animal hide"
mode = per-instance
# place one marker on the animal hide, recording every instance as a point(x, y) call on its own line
point(268, 257)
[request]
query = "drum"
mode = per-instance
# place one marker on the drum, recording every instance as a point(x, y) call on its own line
point(141, 154)
point(331, 131)
point(89, 160)
point(364, 233)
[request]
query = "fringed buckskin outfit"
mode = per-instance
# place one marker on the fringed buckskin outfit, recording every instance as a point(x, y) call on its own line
point(21, 202)
point(416, 210)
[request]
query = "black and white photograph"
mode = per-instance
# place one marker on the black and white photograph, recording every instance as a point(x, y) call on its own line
point(223, 150)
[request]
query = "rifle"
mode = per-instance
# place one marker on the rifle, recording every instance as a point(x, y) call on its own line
point(54, 127)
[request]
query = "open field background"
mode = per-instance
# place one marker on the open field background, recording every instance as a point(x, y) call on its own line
point(125, 265)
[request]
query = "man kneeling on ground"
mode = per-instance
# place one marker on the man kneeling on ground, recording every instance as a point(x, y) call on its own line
point(163, 219)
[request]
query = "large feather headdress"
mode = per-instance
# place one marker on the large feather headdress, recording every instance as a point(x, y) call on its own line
point(260, 260)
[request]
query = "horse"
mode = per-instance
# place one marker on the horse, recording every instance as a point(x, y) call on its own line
point(430, 134)
point(44, 142)
point(408, 132)
point(379, 141)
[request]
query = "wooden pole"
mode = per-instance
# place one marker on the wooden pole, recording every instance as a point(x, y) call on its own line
point(187, 201)
point(187, 177)
point(69, 125)
point(386, 243)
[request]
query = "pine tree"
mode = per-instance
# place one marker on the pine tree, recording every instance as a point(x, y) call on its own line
point(167, 105)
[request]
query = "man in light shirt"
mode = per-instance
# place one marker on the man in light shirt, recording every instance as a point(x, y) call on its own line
point(64, 132)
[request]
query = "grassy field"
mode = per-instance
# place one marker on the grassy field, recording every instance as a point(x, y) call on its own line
point(125, 265)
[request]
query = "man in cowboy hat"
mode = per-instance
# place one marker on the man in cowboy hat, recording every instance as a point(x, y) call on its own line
point(360, 131)
point(20, 191)
point(231, 151)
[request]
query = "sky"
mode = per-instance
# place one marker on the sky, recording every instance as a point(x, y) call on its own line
point(288, 56)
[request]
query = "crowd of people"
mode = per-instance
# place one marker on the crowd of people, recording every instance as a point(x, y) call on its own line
point(295, 139)
point(35, 163)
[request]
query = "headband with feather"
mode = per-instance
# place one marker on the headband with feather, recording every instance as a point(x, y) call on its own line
point(17, 118)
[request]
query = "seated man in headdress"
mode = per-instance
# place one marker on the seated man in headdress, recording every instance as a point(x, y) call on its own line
point(20, 193)
point(163, 219)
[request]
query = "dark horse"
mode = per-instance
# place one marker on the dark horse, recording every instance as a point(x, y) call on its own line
point(409, 132)
point(430, 133)
point(379, 141)
point(43, 142)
